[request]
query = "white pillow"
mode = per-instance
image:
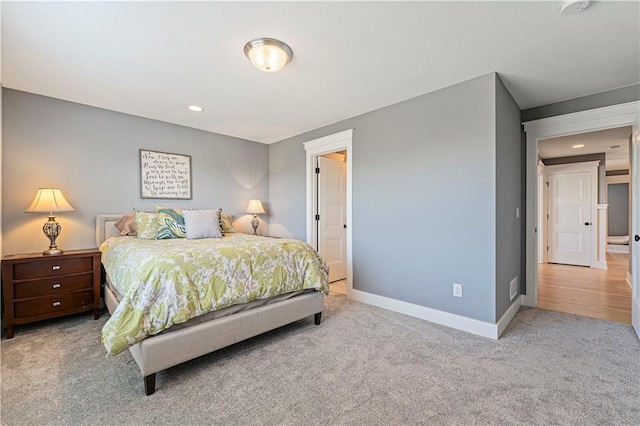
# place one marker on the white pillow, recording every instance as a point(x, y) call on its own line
point(202, 224)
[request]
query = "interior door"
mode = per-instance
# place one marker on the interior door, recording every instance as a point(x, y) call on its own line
point(635, 226)
point(569, 202)
point(332, 208)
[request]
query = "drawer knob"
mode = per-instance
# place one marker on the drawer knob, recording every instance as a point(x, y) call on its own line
point(56, 303)
point(56, 285)
point(56, 268)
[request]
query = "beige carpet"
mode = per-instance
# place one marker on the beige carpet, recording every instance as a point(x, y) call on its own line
point(361, 366)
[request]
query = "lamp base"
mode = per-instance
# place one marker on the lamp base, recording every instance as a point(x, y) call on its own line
point(254, 223)
point(52, 252)
point(52, 229)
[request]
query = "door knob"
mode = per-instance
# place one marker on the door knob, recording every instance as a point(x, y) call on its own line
point(587, 223)
point(637, 237)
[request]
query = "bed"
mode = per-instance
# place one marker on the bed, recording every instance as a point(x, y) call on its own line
point(188, 338)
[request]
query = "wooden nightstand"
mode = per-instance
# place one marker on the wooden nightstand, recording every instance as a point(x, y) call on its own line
point(38, 287)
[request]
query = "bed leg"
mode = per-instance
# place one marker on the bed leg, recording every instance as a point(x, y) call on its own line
point(317, 318)
point(150, 384)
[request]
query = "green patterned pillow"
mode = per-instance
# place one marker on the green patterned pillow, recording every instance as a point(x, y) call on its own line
point(170, 224)
point(146, 224)
point(225, 223)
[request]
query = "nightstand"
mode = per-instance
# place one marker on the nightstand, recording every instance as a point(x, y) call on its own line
point(37, 287)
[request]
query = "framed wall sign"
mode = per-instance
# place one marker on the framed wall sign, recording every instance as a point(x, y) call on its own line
point(165, 175)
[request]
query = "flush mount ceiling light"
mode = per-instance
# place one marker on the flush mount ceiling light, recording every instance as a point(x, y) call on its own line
point(571, 7)
point(268, 54)
point(580, 145)
point(195, 108)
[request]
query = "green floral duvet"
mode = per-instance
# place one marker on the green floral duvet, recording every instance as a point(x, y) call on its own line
point(167, 282)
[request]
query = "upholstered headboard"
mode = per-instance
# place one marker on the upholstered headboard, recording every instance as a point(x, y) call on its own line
point(105, 227)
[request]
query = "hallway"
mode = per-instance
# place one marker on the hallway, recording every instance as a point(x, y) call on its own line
point(597, 293)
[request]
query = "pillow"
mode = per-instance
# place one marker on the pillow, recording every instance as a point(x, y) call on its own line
point(126, 225)
point(146, 225)
point(202, 224)
point(170, 224)
point(225, 222)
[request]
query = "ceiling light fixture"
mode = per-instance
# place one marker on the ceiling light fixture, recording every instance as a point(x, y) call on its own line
point(195, 108)
point(268, 54)
point(572, 7)
point(581, 145)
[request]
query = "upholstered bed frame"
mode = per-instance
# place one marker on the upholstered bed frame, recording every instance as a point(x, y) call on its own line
point(165, 350)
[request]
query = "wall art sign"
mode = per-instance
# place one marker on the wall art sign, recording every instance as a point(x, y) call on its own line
point(165, 175)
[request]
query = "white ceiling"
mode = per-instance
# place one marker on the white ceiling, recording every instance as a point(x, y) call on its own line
point(603, 141)
point(154, 59)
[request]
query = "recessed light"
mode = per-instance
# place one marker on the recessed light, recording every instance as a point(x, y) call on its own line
point(195, 108)
point(580, 145)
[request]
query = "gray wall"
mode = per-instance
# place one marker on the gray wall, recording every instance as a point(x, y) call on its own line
point(424, 196)
point(508, 195)
point(618, 211)
point(287, 185)
point(602, 169)
point(92, 155)
point(598, 100)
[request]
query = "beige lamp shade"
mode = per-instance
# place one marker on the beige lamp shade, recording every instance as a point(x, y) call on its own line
point(49, 200)
point(255, 207)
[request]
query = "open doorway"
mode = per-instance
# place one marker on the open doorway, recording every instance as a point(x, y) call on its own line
point(584, 224)
point(331, 216)
point(329, 162)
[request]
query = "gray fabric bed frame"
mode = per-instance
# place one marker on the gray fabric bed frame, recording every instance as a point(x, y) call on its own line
point(165, 350)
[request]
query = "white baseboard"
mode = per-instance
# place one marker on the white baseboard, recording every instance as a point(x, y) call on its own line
point(528, 300)
point(458, 322)
point(506, 318)
point(635, 315)
point(600, 265)
point(629, 279)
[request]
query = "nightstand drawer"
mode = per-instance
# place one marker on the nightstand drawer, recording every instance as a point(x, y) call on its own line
point(53, 267)
point(52, 286)
point(44, 305)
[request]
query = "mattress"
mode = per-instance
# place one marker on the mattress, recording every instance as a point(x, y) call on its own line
point(219, 313)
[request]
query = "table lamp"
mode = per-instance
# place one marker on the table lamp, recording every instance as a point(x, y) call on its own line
point(255, 208)
point(52, 201)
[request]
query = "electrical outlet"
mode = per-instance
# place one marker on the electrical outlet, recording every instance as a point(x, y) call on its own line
point(513, 288)
point(457, 290)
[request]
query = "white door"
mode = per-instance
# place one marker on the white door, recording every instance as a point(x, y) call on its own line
point(569, 218)
point(635, 226)
point(332, 208)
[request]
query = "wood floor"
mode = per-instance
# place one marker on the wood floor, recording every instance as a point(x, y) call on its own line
point(339, 287)
point(597, 293)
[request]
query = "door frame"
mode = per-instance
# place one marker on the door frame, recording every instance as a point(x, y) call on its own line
point(342, 141)
point(563, 125)
point(590, 167)
point(541, 212)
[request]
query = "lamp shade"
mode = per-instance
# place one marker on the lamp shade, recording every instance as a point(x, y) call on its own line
point(49, 200)
point(268, 54)
point(255, 207)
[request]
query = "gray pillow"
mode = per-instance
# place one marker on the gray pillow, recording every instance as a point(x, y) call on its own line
point(202, 224)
